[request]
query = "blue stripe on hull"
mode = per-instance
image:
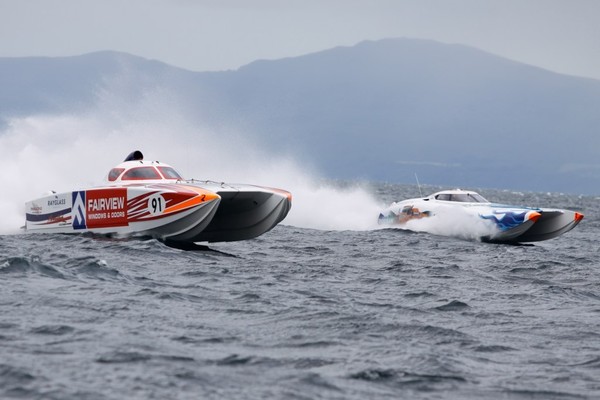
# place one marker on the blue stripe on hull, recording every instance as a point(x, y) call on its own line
point(44, 217)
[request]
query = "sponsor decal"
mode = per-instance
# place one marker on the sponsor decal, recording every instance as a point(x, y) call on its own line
point(35, 208)
point(57, 202)
point(78, 210)
point(106, 208)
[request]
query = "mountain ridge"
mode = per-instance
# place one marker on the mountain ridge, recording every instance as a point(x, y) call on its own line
point(459, 115)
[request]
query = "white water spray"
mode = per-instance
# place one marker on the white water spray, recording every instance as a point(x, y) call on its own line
point(455, 221)
point(65, 152)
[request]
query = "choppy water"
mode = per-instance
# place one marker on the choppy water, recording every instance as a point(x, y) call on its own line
point(305, 314)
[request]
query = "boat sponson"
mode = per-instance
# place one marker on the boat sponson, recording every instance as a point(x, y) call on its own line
point(245, 215)
point(551, 224)
point(187, 228)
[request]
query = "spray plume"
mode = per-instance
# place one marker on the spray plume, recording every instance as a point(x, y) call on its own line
point(69, 152)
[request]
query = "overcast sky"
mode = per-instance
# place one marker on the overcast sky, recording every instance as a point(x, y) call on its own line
point(201, 35)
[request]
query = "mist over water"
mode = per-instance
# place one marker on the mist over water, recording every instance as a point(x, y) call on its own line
point(68, 152)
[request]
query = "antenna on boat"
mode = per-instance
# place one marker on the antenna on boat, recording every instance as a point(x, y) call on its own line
point(418, 184)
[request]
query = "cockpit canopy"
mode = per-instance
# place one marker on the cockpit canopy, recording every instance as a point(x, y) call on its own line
point(460, 196)
point(142, 170)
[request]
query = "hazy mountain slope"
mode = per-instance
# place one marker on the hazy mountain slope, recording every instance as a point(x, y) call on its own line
point(390, 108)
point(380, 110)
point(71, 84)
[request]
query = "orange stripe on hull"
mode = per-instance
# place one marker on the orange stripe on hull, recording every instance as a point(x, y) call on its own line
point(281, 192)
point(533, 216)
point(201, 197)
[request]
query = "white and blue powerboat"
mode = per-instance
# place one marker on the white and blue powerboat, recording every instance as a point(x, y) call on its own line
point(456, 209)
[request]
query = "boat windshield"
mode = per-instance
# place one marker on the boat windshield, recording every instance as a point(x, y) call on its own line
point(462, 197)
point(114, 173)
point(169, 173)
point(141, 173)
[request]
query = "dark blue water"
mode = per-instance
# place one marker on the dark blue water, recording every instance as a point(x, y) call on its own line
point(305, 314)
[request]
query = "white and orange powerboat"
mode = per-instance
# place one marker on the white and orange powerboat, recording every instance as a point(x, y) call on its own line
point(149, 198)
point(460, 210)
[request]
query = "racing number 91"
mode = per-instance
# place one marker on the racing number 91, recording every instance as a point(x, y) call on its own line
point(156, 204)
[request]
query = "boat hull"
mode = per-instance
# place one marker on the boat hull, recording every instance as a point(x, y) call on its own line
point(176, 212)
point(160, 211)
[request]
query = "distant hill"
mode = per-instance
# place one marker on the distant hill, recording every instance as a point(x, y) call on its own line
point(33, 85)
point(380, 110)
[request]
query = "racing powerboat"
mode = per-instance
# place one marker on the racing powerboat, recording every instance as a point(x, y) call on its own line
point(150, 198)
point(458, 210)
